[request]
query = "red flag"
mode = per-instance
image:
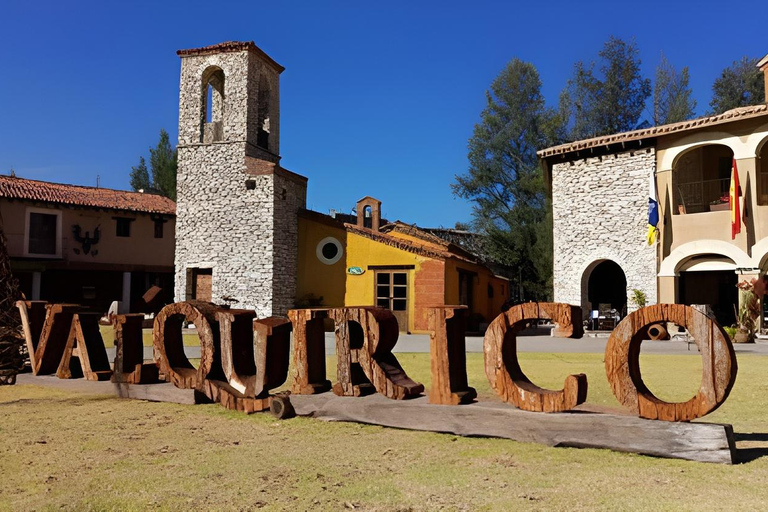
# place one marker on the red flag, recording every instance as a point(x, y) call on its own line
point(733, 200)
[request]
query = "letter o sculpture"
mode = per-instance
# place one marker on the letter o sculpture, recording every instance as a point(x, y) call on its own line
point(622, 363)
point(503, 369)
point(169, 345)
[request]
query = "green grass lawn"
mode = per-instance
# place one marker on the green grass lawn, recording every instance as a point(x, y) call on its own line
point(81, 452)
point(108, 335)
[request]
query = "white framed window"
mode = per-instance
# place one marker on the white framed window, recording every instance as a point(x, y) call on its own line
point(42, 233)
point(329, 250)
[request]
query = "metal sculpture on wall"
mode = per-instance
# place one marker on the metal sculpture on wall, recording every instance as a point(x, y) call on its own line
point(86, 241)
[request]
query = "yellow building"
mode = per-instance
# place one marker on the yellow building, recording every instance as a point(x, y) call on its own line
point(396, 266)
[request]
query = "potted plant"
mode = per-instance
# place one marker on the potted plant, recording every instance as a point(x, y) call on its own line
point(749, 311)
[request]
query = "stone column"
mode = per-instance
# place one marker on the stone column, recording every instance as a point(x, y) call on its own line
point(125, 305)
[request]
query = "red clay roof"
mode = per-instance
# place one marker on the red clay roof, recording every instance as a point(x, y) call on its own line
point(656, 131)
point(12, 187)
point(230, 47)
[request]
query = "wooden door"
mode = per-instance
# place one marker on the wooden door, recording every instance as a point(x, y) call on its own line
point(392, 293)
point(203, 280)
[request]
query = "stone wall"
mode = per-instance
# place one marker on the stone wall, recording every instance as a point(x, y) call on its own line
point(236, 210)
point(600, 211)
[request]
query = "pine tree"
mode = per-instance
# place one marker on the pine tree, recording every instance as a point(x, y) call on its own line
point(739, 85)
point(140, 176)
point(161, 176)
point(608, 100)
point(672, 97)
point(504, 179)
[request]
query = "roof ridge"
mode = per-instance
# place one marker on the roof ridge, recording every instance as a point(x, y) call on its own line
point(663, 129)
point(78, 186)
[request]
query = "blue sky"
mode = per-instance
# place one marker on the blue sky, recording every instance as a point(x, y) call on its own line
point(378, 98)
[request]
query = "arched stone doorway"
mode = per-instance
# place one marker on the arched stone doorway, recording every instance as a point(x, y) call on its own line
point(604, 288)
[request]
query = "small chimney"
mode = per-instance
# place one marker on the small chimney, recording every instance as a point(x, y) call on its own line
point(763, 65)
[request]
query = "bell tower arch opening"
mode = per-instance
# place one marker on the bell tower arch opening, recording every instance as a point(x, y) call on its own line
point(212, 111)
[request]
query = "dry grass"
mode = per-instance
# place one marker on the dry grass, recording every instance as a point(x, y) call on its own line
point(83, 452)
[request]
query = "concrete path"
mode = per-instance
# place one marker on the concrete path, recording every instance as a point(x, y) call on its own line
point(420, 343)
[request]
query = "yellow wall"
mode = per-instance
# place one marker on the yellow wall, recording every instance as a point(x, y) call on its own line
point(338, 288)
point(362, 252)
point(313, 276)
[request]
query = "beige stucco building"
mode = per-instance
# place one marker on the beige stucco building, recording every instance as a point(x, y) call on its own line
point(600, 188)
point(87, 245)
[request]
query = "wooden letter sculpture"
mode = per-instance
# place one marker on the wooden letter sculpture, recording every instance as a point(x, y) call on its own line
point(53, 338)
point(169, 345)
point(622, 364)
point(252, 365)
point(447, 348)
point(365, 337)
point(129, 352)
point(84, 354)
point(309, 351)
point(503, 369)
point(32, 314)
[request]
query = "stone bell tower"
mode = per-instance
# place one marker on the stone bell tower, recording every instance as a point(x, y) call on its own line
point(236, 209)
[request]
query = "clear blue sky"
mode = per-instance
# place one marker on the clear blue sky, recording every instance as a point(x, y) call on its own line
point(378, 98)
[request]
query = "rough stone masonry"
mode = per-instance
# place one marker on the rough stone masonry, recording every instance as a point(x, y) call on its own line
point(600, 212)
point(236, 207)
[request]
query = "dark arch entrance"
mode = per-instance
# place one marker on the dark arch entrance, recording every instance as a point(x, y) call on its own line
point(607, 285)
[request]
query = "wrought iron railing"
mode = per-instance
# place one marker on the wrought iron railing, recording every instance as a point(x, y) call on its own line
point(702, 196)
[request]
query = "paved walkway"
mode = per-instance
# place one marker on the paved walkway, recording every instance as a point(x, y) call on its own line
point(420, 343)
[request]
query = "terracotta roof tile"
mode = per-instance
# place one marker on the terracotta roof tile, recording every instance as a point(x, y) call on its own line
point(655, 131)
point(75, 195)
point(230, 47)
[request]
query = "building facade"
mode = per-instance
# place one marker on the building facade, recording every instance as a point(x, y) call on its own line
point(244, 237)
point(237, 228)
point(600, 189)
point(86, 245)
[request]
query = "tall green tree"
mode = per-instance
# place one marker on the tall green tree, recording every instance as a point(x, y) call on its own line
point(161, 176)
point(608, 99)
point(739, 85)
point(140, 176)
point(504, 180)
point(672, 96)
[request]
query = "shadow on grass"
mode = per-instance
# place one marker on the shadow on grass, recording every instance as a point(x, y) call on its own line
point(750, 453)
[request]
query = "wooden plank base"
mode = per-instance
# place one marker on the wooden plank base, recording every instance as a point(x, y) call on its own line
point(703, 442)
point(160, 392)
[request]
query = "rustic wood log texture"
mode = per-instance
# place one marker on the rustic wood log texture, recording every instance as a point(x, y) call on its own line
point(503, 369)
point(169, 345)
point(448, 353)
point(255, 357)
point(32, 314)
point(85, 354)
point(622, 363)
point(129, 366)
point(657, 332)
point(704, 442)
point(308, 373)
point(365, 337)
point(273, 352)
point(53, 337)
point(220, 392)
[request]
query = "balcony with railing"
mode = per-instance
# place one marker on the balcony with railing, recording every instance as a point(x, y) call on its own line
point(703, 195)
